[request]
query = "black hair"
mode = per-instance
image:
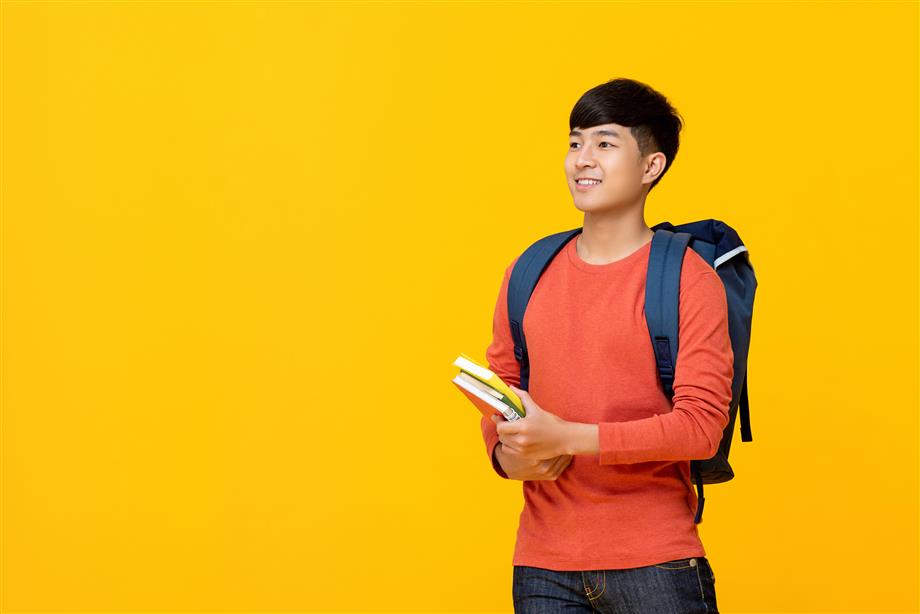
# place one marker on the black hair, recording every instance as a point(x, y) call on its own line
point(651, 119)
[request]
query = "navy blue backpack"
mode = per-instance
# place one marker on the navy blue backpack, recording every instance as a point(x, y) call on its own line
point(721, 247)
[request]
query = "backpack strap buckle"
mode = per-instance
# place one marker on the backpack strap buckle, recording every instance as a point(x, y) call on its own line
point(663, 357)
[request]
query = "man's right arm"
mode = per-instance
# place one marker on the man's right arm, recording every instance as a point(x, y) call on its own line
point(501, 360)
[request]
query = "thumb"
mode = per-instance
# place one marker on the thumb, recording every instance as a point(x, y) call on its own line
point(518, 391)
point(523, 395)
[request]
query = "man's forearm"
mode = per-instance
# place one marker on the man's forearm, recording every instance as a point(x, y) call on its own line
point(583, 438)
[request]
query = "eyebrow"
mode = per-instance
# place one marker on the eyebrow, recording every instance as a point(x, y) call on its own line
point(601, 132)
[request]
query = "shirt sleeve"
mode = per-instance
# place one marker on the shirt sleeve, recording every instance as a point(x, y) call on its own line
point(501, 361)
point(702, 387)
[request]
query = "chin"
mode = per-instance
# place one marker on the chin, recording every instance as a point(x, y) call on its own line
point(593, 205)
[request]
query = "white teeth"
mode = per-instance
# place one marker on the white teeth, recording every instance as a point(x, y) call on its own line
point(588, 181)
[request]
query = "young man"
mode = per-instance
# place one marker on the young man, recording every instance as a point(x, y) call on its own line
point(604, 456)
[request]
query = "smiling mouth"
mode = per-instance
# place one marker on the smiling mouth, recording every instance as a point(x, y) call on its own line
point(586, 184)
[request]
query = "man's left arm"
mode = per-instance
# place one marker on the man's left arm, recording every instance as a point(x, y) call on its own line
point(702, 390)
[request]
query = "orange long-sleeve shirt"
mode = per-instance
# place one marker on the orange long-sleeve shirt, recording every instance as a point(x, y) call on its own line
point(591, 361)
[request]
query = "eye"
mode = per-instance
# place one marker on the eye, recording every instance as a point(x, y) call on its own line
point(572, 145)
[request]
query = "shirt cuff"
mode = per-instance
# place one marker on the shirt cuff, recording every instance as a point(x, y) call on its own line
point(490, 446)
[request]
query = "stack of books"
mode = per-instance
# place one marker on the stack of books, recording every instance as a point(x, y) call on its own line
point(486, 390)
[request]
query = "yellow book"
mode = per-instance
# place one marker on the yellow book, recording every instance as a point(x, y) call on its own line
point(483, 374)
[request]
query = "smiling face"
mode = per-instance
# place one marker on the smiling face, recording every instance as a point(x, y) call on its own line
point(609, 154)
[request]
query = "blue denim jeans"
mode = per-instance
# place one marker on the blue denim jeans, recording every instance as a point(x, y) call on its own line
point(682, 586)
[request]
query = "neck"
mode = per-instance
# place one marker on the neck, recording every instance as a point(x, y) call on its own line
point(608, 236)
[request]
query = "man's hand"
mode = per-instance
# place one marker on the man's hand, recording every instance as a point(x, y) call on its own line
point(518, 468)
point(540, 435)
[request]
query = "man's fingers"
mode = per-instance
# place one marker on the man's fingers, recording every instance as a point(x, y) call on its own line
point(559, 464)
point(552, 466)
point(510, 448)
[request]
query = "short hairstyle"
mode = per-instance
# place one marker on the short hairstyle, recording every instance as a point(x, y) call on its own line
point(651, 119)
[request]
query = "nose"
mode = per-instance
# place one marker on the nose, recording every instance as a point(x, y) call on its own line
point(585, 158)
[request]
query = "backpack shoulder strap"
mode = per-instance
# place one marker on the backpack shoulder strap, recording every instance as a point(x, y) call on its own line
point(524, 277)
point(662, 296)
point(662, 305)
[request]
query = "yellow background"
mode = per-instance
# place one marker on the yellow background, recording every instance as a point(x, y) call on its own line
point(243, 243)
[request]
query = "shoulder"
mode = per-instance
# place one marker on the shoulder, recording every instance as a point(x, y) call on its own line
point(534, 241)
point(698, 276)
point(510, 266)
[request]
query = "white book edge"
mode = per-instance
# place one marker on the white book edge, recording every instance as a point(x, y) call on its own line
point(481, 385)
point(506, 411)
point(473, 368)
